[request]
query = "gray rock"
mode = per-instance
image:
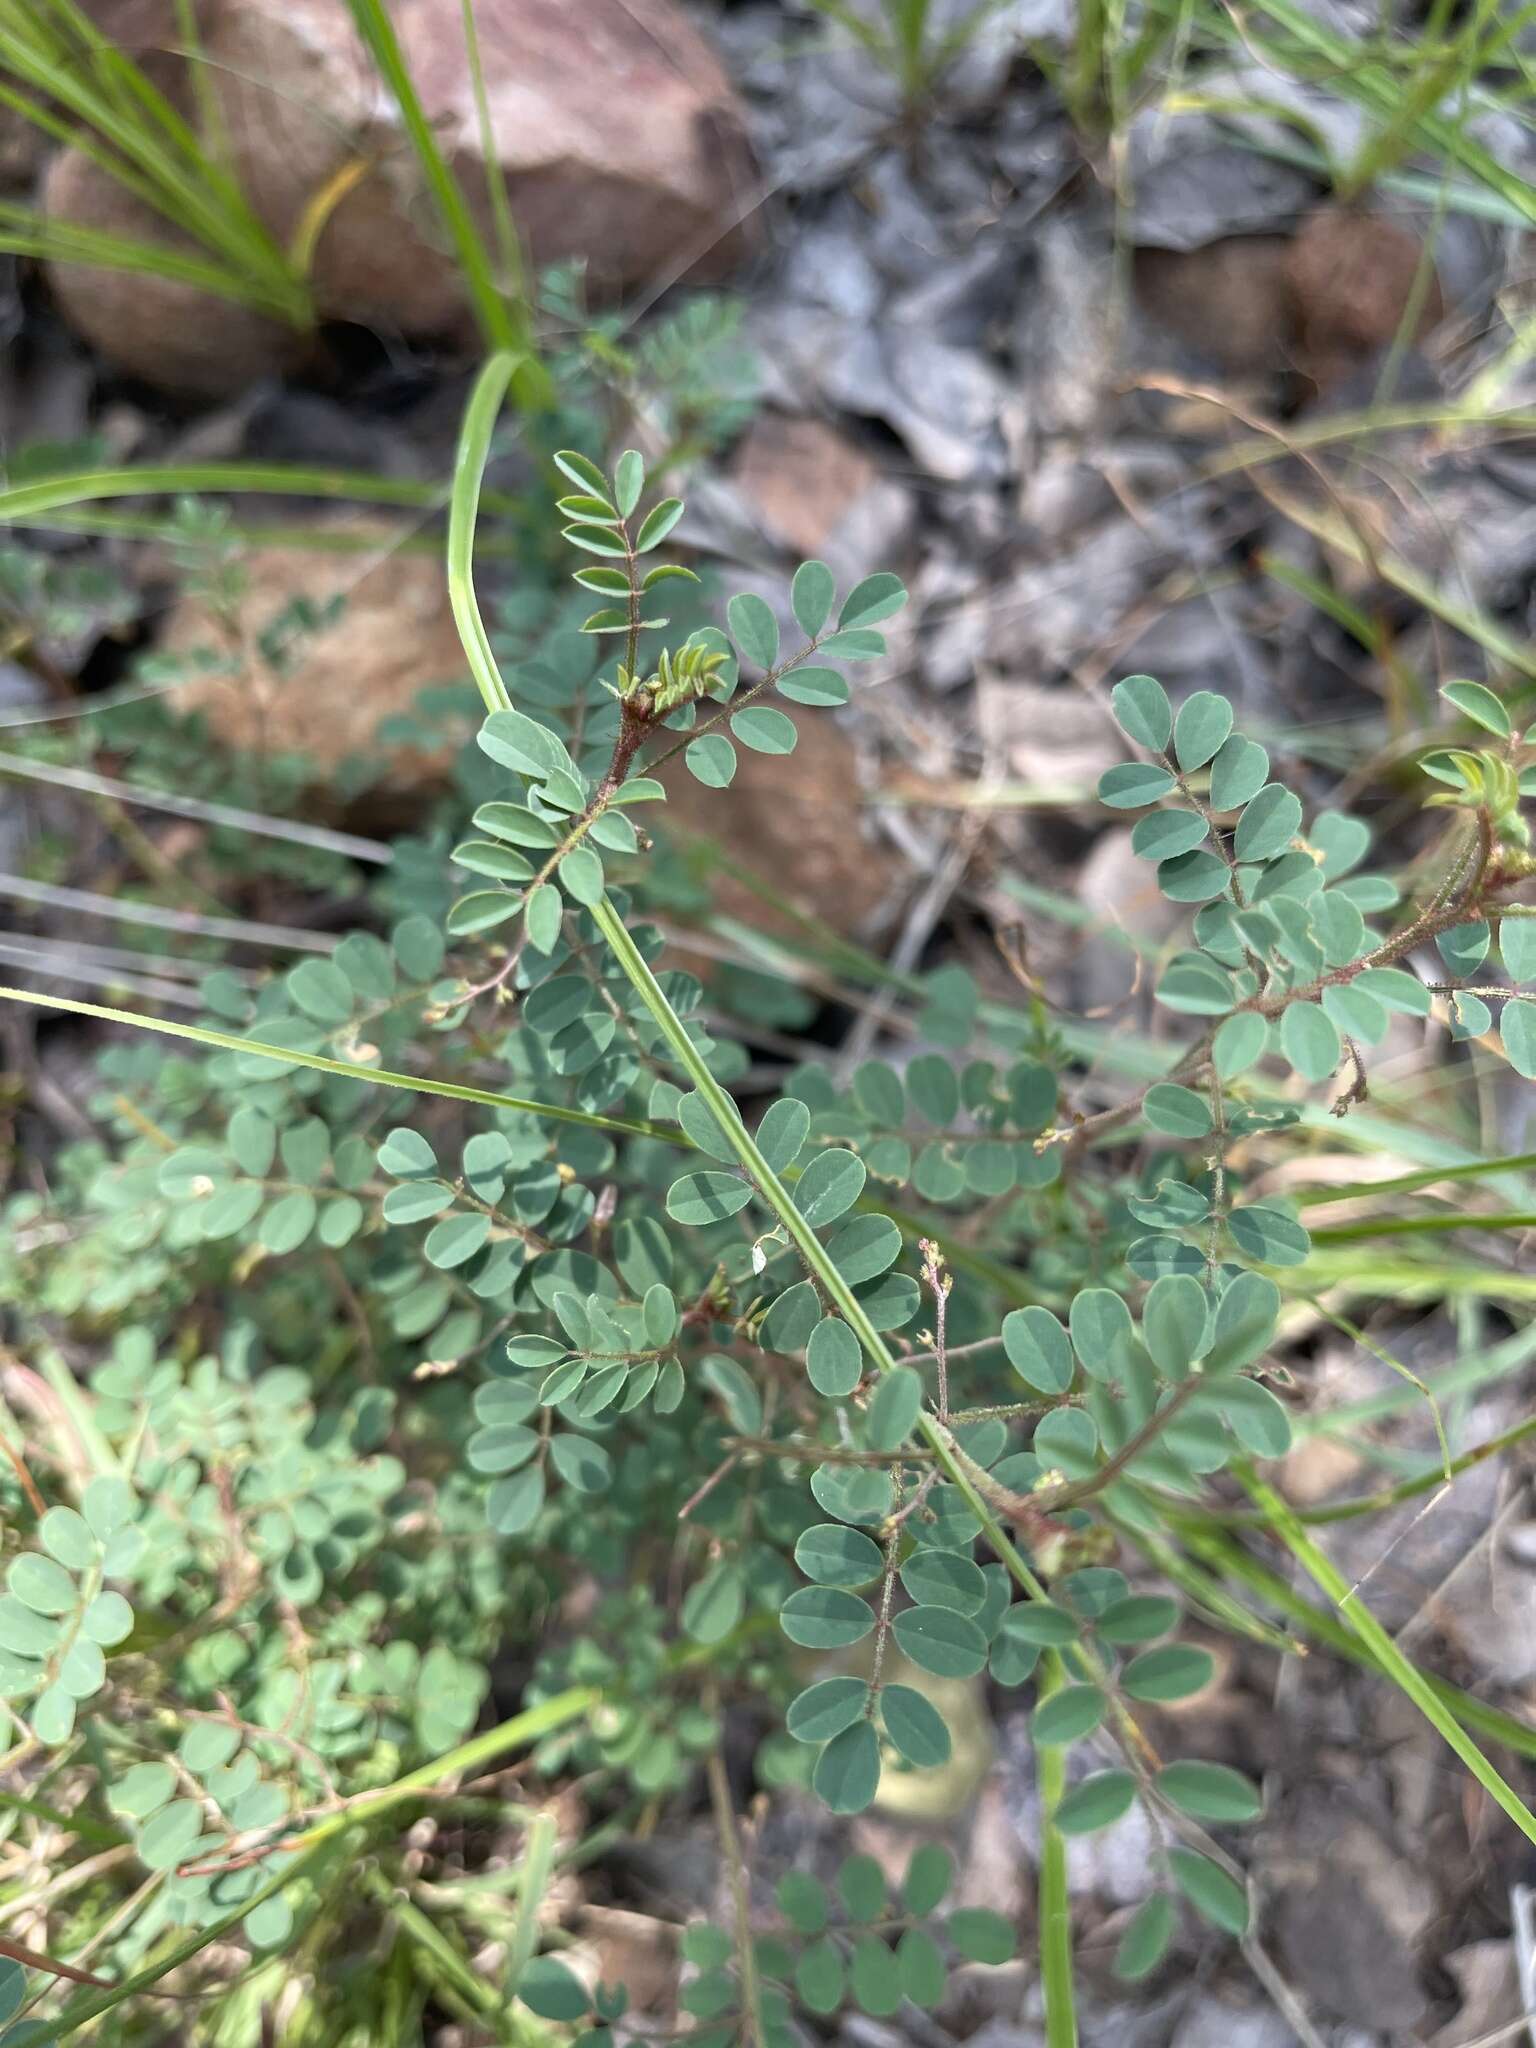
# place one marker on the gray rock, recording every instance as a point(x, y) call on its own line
point(1193, 185)
point(1348, 1909)
point(1211, 2023)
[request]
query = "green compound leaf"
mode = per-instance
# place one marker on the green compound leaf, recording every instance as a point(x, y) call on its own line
point(1133, 785)
point(1201, 728)
point(700, 1198)
point(1145, 1940)
point(481, 911)
point(826, 1709)
point(765, 730)
point(1165, 834)
point(1246, 1320)
point(1238, 773)
point(1355, 1013)
point(1309, 1038)
point(1465, 947)
point(1139, 1618)
point(814, 686)
point(810, 597)
point(820, 1980)
point(754, 629)
point(1269, 1234)
point(108, 1505)
point(914, 1726)
point(551, 1991)
point(1038, 1350)
point(1517, 947)
point(1101, 1329)
point(166, 1839)
point(847, 1773)
point(66, 1535)
point(920, 1963)
point(835, 1555)
point(980, 1935)
point(455, 1241)
point(1041, 1623)
point(514, 1505)
point(929, 1876)
point(1196, 986)
point(711, 760)
point(1210, 1891)
point(802, 1901)
point(1254, 1415)
point(829, 1186)
point(876, 1977)
point(108, 1620)
point(864, 1248)
point(542, 915)
point(834, 1361)
point(1193, 877)
point(1144, 714)
point(1098, 1802)
point(785, 1126)
point(823, 1618)
point(1517, 1030)
point(893, 1411)
point(287, 1223)
point(877, 597)
point(1171, 1673)
point(1270, 822)
point(714, 1606)
point(657, 524)
point(628, 481)
point(581, 876)
point(1177, 1111)
point(934, 1089)
point(1480, 705)
point(41, 1585)
point(861, 1886)
point(937, 1640)
point(1176, 1324)
point(1209, 1792)
point(1074, 1711)
point(1069, 1438)
point(945, 1578)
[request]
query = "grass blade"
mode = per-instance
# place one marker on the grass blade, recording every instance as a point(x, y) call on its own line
point(503, 325)
point(23, 502)
point(1056, 1974)
point(473, 1755)
point(485, 402)
point(381, 1077)
point(1409, 1680)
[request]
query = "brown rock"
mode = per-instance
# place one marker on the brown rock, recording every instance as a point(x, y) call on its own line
point(1229, 302)
point(793, 821)
point(169, 334)
point(1352, 279)
point(802, 479)
point(1324, 302)
point(614, 126)
point(393, 637)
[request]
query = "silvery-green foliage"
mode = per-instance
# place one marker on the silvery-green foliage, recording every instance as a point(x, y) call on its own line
point(828, 1404)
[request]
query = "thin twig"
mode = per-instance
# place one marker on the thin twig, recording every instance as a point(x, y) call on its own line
point(736, 1876)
